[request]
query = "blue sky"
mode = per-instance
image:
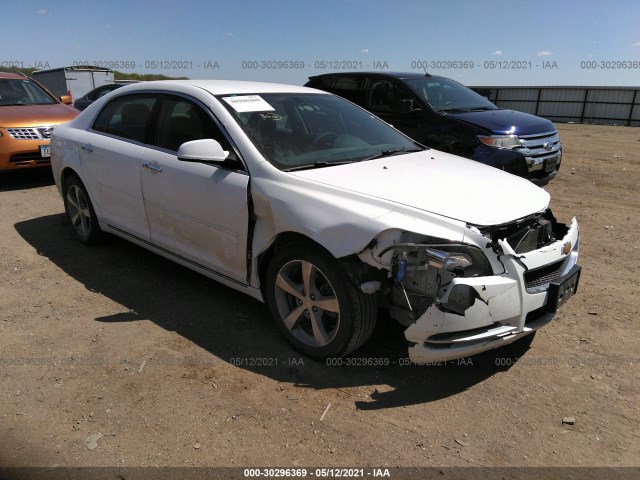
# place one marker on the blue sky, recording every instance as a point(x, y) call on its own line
point(519, 42)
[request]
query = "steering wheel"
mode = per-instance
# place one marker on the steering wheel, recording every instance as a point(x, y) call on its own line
point(325, 139)
point(22, 100)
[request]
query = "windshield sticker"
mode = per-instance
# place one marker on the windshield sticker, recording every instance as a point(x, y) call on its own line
point(248, 103)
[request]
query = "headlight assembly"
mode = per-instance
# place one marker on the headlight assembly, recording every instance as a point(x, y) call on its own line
point(422, 272)
point(456, 259)
point(448, 261)
point(501, 141)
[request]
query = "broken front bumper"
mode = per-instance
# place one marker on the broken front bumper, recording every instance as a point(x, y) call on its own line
point(507, 306)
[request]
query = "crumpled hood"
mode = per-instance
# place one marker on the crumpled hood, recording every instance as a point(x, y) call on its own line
point(439, 183)
point(36, 115)
point(507, 122)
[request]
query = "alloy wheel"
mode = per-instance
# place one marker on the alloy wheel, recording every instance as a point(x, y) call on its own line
point(307, 303)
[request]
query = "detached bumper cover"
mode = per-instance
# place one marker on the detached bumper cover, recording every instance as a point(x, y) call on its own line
point(506, 307)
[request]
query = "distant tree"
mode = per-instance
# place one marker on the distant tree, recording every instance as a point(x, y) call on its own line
point(144, 77)
point(26, 71)
point(141, 77)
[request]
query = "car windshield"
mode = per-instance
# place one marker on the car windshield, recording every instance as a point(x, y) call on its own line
point(22, 92)
point(445, 95)
point(307, 130)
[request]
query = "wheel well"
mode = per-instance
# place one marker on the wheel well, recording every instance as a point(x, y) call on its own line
point(355, 269)
point(283, 240)
point(66, 174)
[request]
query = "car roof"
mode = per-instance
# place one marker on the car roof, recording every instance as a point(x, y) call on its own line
point(399, 75)
point(222, 87)
point(12, 75)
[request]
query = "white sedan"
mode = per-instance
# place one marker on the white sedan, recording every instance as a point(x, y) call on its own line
point(323, 211)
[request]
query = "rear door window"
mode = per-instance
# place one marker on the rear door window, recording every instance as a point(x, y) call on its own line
point(388, 97)
point(127, 117)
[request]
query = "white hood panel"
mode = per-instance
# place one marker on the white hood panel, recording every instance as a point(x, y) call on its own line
point(439, 183)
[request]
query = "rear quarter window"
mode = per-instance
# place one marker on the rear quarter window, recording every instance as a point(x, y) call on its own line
point(351, 88)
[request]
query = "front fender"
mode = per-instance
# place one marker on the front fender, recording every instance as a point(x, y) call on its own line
point(342, 222)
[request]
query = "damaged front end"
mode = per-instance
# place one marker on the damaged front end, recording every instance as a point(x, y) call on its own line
point(461, 298)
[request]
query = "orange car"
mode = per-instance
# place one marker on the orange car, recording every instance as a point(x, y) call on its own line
point(28, 114)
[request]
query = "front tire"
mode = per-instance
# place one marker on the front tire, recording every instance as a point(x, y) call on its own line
point(80, 211)
point(316, 306)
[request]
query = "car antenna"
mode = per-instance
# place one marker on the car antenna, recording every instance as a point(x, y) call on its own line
point(426, 74)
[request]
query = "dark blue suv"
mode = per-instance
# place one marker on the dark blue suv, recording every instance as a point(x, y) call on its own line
point(444, 114)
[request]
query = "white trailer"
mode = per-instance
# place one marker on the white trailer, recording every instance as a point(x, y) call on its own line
point(74, 81)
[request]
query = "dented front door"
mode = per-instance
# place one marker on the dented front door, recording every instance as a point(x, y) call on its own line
point(197, 211)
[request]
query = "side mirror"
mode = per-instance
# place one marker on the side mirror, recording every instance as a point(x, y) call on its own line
point(203, 151)
point(66, 99)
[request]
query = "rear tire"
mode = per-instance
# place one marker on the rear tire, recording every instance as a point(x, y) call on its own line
point(316, 306)
point(80, 211)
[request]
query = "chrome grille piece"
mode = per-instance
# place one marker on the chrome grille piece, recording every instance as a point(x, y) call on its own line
point(31, 133)
point(45, 131)
point(24, 133)
point(538, 148)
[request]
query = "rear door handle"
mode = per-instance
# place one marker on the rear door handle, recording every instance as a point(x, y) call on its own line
point(154, 167)
point(87, 147)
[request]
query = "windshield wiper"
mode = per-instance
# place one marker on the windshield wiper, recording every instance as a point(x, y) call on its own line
point(481, 109)
point(466, 110)
point(387, 153)
point(319, 164)
point(454, 110)
point(383, 153)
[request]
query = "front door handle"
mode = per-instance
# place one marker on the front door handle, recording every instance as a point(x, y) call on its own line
point(154, 167)
point(87, 147)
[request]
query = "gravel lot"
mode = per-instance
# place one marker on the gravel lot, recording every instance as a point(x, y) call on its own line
point(113, 356)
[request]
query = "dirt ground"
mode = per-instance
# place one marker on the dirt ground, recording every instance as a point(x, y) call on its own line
point(113, 356)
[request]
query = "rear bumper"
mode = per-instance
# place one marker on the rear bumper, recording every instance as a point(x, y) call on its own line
point(506, 306)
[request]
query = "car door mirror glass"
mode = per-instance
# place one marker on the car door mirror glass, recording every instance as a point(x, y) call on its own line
point(206, 150)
